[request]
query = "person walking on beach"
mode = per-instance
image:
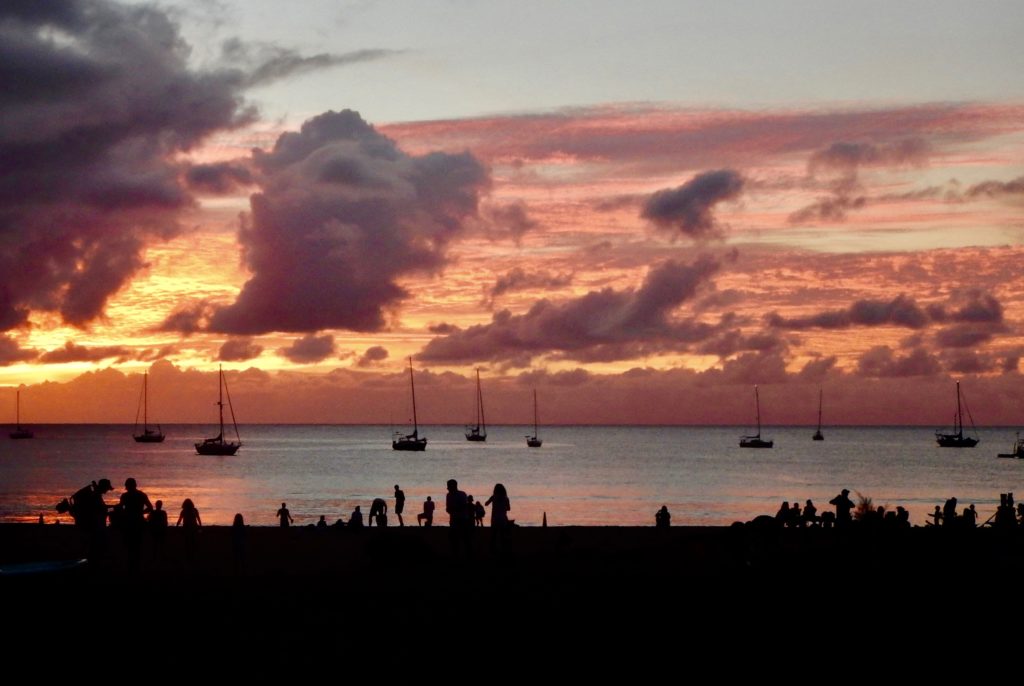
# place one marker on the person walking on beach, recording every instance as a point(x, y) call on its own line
point(843, 506)
point(285, 516)
point(399, 504)
point(378, 513)
point(428, 513)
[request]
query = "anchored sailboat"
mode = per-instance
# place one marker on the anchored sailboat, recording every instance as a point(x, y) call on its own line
point(217, 445)
point(410, 441)
point(534, 441)
point(1017, 450)
point(957, 439)
point(148, 435)
point(818, 436)
point(20, 431)
point(478, 433)
point(756, 441)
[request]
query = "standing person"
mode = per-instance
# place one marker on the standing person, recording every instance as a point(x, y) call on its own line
point(662, 518)
point(192, 523)
point(238, 542)
point(285, 516)
point(399, 504)
point(158, 527)
point(460, 517)
point(428, 513)
point(378, 513)
point(356, 520)
point(135, 506)
point(90, 515)
point(843, 506)
point(500, 506)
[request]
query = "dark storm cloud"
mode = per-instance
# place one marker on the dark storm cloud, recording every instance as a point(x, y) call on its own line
point(881, 361)
point(239, 350)
point(219, 178)
point(309, 349)
point(688, 208)
point(341, 216)
point(11, 352)
point(373, 355)
point(900, 311)
point(605, 324)
point(72, 352)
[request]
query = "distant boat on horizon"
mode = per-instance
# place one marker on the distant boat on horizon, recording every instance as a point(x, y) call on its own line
point(957, 439)
point(410, 442)
point(478, 433)
point(1017, 450)
point(756, 441)
point(534, 441)
point(217, 445)
point(148, 435)
point(20, 431)
point(818, 436)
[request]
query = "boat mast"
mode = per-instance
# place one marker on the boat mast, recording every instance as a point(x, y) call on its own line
point(220, 400)
point(757, 407)
point(17, 411)
point(480, 420)
point(535, 413)
point(145, 403)
point(412, 385)
point(959, 413)
point(819, 410)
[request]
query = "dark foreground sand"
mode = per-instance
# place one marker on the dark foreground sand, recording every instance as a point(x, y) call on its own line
point(637, 583)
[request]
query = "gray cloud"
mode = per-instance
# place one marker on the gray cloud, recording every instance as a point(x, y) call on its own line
point(881, 361)
point(264, 63)
point(373, 355)
point(993, 189)
point(219, 178)
point(511, 220)
point(519, 279)
point(309, 349)
point(605, 324)
point(72, 352)
point(343, 214)
point(239, 350)
point(11, 352)
point(188, 318)
point(900, 311)
point(963, 336)
point(688, 208)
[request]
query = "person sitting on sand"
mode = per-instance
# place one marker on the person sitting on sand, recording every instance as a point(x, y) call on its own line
point(284, 515)
point(782, 516)
point(810, 514)
point(356, 520)
point(662, 518)
point(428, 513)
point(843, 506)
point(378, 513)
point(322, 524)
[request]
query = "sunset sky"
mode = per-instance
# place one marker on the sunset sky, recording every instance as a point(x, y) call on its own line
point(641, 210)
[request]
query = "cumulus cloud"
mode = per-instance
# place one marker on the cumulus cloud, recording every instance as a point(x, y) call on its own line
point(815, 371)
point(881, 361)
point(730, 342)
point(343, 214)
point(511, 220)
point(970, 305)
point(373, 355)
point(11, 352)
point(239, 350)
point(902, 310)
point(688, 208)
point(601, 325)
point(309, 349)
point(72, 352)
point(963, 336)
point(519, 279)
point(188, 318)
point(219, 178)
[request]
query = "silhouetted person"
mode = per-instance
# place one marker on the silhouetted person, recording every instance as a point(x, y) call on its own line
point(949, 513)
point(500, 506)
point(285, 516)
point(322, 523)
point(810, 514)
point(428, 513)
point(662, 518)
point(843, 506)
point(936, 516)
point(828, 519)
point(902, 517)
point(135, 506)
point(460, 517)
point(970, 517)
point(782, 516)
point(378, 513)
point(1020, 514)
point(90, 515)
point(399, 504)
point(478, 513)
point(356, 520)
point(190, 521)
point(238, 542)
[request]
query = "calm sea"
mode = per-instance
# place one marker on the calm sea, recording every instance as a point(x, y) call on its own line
point(581, 476)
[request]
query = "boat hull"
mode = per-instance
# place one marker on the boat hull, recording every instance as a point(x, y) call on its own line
point(417, 445)
point(817, 436)
point(22, 433)
point(149, 438)
point(534, 442)
point(755, 443)
point(955, 441)
point(475, 436)
point(217, 448)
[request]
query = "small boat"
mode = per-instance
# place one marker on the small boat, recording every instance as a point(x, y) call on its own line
point(818, 436)
point(1017, 450)
point(534, 441)
point(478, 433)
point(957, 439)
point(20, 431)
point(148, 435)
point(217, 445)
point(756, 441)
point(411, 441)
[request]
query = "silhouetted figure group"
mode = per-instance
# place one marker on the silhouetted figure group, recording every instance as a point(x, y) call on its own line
point(795, 518)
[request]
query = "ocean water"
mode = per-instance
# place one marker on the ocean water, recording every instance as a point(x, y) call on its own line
point(581, 476)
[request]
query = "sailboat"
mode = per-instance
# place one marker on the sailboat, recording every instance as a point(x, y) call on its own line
point(957, 440)
point(478, 433)
point(756, 441)
point(217, 445)
point(148, 435)
point(410, 441)
point(818, 436)
point(1017, 450)
point(20, 431)
point(533, 441)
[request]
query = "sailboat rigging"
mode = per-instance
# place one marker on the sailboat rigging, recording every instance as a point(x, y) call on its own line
point(957, 439)
point(478, 433)
point(534, 441)
point(756, 441)
point(818, 436)
point(148, 435)
point(217, 445)
point(20, 431)
point(410, 441)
